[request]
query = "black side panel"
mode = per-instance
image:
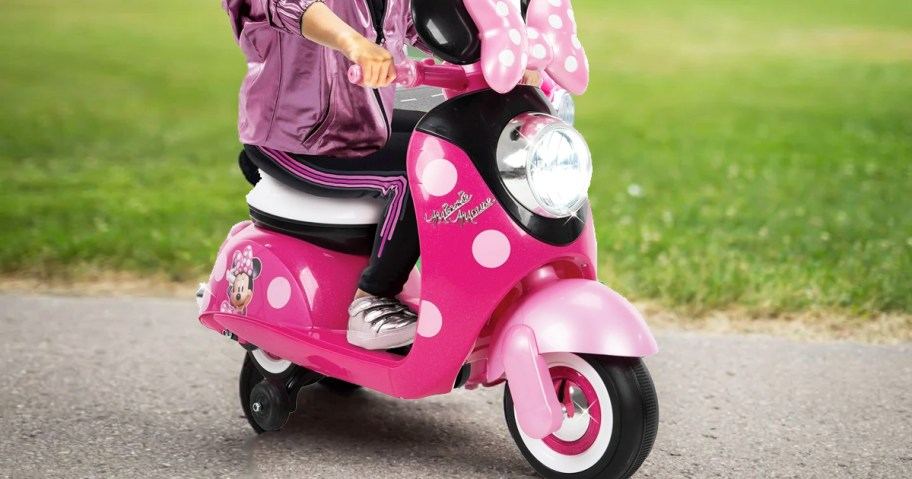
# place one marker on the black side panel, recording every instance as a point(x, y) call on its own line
point(474, 122)
point(354, 239)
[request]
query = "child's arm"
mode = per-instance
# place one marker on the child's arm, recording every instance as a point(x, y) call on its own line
point(317, 22)
point(321, 25)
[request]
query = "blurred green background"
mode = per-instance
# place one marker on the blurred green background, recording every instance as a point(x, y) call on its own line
point(750, 154)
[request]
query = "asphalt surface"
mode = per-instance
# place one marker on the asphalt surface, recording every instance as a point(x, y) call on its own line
point(137, 388)
point(422, 98)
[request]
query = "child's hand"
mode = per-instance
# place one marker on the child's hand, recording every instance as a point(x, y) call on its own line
point(321, 25)
point(376, 63)
point(532, 78)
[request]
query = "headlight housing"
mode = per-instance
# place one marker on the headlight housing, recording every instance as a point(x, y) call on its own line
point(563, 102)
point(545, 164)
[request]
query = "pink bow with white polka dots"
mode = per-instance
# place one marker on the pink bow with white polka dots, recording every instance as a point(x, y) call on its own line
point(242, 263)
point(547, 41)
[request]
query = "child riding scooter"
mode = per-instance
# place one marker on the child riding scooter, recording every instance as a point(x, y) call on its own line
point(507, 290)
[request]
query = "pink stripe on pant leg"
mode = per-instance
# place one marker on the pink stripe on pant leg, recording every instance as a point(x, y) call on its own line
point(328, 179)
point(385, 185)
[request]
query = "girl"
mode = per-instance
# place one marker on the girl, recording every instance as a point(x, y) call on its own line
point(301, 121)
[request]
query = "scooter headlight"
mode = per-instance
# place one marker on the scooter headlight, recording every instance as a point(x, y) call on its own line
point(563, 102)
point(545, 164)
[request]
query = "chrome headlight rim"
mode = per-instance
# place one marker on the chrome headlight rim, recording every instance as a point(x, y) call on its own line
point(576, 140)
point(520, 142)
point(564, 105)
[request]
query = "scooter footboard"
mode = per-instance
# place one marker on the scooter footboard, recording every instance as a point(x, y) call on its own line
point(576, 316)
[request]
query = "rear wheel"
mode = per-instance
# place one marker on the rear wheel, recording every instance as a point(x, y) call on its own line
point(270, 405)
point(250, 376)
point(611, 417)
point(268, 394)
point(271, 366)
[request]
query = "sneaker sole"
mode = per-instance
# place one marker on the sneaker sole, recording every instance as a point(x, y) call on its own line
point(394, 339)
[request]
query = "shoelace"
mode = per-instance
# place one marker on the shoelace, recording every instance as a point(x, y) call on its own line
point(383, 313)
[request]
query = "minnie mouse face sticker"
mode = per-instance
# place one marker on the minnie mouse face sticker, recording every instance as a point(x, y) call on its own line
point(244, 270)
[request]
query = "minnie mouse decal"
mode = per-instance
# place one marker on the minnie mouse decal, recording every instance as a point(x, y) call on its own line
point(244, 269)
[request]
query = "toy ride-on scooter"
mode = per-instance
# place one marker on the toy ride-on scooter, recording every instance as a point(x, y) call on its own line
point(507, 290)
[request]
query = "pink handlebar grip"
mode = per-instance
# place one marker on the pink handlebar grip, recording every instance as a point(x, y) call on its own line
point(410, 74)
point(406, 74)
point(355, 75)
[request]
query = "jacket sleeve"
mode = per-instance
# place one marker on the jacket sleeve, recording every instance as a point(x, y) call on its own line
point(285, 15)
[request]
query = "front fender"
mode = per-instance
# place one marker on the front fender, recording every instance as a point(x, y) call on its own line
point(576, 316)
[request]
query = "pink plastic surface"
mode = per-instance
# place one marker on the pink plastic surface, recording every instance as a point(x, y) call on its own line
point(564, 377)
point(411, 74)
point(534, 398)
point(576, 315)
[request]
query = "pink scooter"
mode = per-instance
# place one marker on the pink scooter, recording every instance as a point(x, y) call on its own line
point(507, 289)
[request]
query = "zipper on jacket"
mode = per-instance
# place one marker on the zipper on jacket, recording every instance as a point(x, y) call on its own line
point(378, 15)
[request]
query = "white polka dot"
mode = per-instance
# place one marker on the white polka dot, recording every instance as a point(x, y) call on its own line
point(525, 59)
point(439, 177)
point(555, 21)
point(279, 292)
point(507, 58)
point(502, 9)
point(206, 299)
point(515, 37)
point(554, 3)
point(308, 284)
point(218, 272)
point(576, 42)
point(430, 321)
point(571, 15)
point(571, 64)
point(532, 33)
point(538, 51)
point(491, 248)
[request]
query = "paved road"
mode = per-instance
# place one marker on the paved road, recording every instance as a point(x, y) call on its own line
point(422, 98)
point(137, 388)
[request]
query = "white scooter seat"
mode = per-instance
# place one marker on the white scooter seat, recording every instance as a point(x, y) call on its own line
point(342, 224)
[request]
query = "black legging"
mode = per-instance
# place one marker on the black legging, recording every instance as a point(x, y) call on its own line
point(380, 174)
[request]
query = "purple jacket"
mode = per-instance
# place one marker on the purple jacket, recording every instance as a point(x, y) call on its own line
point(296, 96)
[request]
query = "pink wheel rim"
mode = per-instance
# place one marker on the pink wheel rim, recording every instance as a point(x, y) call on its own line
point(564, 380)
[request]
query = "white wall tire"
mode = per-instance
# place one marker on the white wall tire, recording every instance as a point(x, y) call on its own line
point(613, 436)
point(271, 366)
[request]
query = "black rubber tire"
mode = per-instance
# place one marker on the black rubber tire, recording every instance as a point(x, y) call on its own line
point(275, 405)
point(636, 420)
point(339, 385)
point(250, 376)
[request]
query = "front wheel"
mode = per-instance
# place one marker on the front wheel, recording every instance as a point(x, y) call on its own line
point(611, 416)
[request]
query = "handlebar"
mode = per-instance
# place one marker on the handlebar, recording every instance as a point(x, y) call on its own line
point(411, 74)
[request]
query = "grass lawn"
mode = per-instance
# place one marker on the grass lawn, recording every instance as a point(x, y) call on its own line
point(755, 154)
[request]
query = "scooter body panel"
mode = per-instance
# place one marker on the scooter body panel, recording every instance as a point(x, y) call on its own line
point(578, 316)
point(473, 253)
point(289, 284)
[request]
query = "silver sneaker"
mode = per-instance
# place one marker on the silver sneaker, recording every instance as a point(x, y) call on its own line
point(381, 323)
